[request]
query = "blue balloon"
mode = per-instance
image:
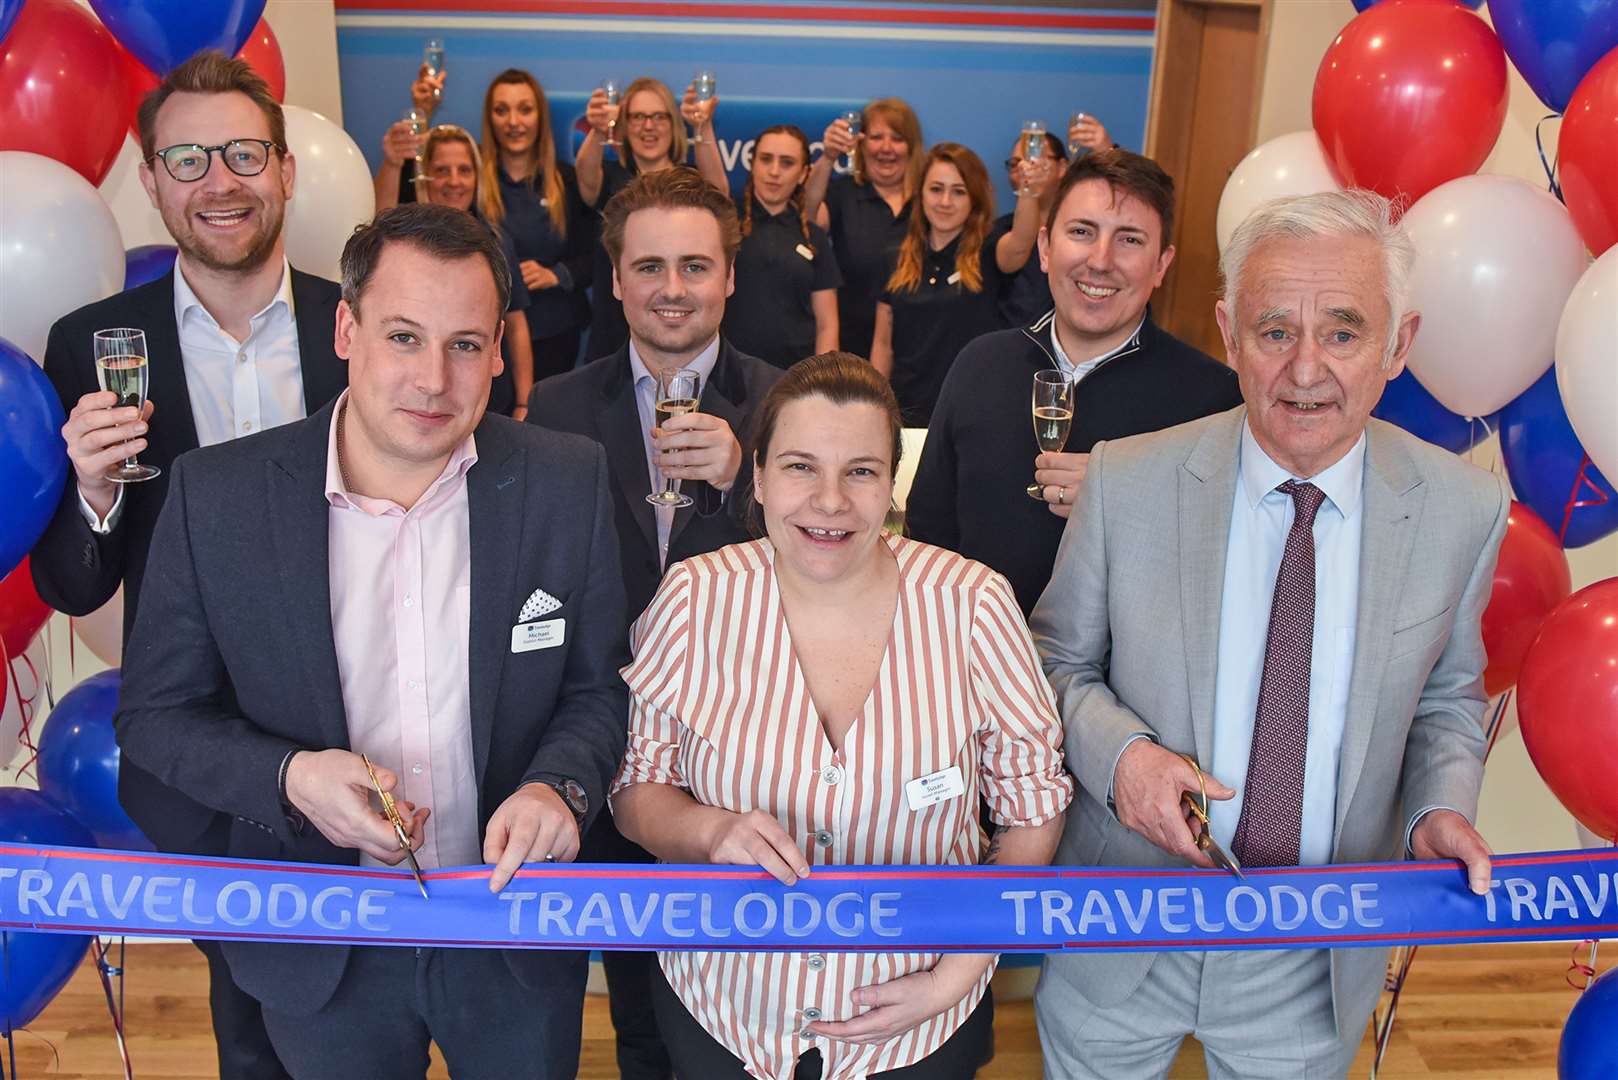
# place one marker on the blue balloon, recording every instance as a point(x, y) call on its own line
point(1555, 43)
point(1543, 457)
point(33, 457)
point(1361, 5)
point(163, 34)
point(78, 762)
point(147, 263)
point(1590, 1036)
point(35, 966)
point(1407, 403)
point(9, 9)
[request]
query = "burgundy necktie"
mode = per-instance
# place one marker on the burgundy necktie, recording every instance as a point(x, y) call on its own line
point(1267, 834)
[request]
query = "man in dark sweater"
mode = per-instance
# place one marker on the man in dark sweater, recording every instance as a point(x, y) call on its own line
point(1104, 248)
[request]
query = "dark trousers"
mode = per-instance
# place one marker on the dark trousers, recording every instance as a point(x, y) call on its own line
point(630, 975)
point(697, 1054)
point(393, 1001)
point(245, 1052)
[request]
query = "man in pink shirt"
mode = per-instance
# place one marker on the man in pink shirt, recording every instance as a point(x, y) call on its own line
point(403, 576)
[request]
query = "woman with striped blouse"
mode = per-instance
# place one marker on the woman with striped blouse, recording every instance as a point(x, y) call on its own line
point(784, 692)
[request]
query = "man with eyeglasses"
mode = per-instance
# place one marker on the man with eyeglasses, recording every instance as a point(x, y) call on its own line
point(239, 341)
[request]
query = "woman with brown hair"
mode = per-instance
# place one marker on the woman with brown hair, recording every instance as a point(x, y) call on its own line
point(784, 695)
point(528, 194)
point(945, 286)
point(784, 307)
point(866, 211)
point(647, 133)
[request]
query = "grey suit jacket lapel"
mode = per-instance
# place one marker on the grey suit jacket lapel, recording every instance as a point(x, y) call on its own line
point(1207, 486)
point(1394, 496)
point(297, 510)
point(496, 495)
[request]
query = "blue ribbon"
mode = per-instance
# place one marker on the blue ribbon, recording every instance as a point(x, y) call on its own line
point(1548, 896)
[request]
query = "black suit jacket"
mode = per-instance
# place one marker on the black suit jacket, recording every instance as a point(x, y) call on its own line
point(77, 570)
point(232, 663)
point(598, 402)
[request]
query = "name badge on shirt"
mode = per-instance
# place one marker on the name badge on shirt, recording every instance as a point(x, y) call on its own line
point(803, 249)
point(528, 636)
point(953, 278)
point(924, 791)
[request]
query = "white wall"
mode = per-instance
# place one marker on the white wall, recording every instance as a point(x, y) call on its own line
point(1518, 812)
point(307, 31)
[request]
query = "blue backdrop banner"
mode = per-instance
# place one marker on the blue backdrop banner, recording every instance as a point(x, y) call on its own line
point(1550, 896)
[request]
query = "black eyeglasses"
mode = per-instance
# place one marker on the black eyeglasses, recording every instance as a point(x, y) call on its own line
point(189, 162)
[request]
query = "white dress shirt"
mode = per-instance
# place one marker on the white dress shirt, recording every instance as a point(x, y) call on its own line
point(235, 387)
point(1075, 372)
point(646, 404)
point(1260, 519)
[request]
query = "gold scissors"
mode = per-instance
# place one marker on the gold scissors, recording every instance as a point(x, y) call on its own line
point(1198, 805)
point(392, 811)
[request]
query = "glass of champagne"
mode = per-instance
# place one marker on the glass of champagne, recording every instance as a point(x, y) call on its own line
point(432, 54)
point(121, 367)
point(853, 118)
point(704, 84)
point(678, 393)
point(1033, 148)
point(1053, 416)
point(614, 92)
point(1074, 147)
point(418, 127)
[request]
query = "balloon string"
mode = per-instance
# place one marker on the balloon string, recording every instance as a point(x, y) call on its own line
point(1581, 480)
point(1496, 723)
point(1550, 166)
point(108, 972)
point(25, 708)
point(1394, 983)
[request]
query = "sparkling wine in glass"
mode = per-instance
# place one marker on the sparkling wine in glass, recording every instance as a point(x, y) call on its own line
point(853, 118)
point(121, 367)
point(1074, 147)
point(678, 393)
point(614, 94)
point(1053, 416)
point(705, 85)
point(418, 127)
point(432, 54)
point(1033, 147)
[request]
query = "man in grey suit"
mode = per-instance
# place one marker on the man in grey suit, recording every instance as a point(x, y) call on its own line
point(1290, 593)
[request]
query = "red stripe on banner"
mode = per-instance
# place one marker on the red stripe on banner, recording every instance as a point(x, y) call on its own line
point(775, 13)
point(1338, 940)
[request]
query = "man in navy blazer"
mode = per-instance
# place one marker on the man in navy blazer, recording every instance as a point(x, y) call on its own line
point(406, 576)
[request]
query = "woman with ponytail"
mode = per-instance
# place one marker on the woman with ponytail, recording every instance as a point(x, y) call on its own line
point(784, 307)
point(528, 194)
point(945, 289)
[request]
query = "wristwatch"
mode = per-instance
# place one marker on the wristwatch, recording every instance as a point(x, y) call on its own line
point(573, 797)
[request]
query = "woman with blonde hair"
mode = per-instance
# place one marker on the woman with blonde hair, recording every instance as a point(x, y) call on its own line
point(532, 197)
point(646, 130)
point(866, 211)
point(945, 286)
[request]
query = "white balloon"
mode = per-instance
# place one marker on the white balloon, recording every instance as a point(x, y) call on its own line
point(102, 631)
point(332, 193)
point(1587, 361)
point(1290, 164)
point(1495, 262)
point(59, 247)
point(139, 223)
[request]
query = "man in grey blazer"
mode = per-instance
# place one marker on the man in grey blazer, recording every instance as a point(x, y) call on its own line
point(1290, 593)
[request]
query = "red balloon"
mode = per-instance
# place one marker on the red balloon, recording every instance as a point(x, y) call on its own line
point(1587, 151)
point(1411, 94)
point(1567, 699)
point(63, 88)
point(263, 52)
point(22, 612)
point(1530, 579)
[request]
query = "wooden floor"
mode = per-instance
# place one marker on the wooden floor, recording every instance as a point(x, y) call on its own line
point(1481, 1012)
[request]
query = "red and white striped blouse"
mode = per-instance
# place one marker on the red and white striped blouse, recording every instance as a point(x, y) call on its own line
point(720, 707)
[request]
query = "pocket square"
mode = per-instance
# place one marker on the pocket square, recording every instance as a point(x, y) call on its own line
point(539, 604)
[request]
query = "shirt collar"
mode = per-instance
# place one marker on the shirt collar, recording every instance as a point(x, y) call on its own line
point(338, 495)
point(1067, 365)
point(185, 299)
point(703, 363)
point(1342, 481)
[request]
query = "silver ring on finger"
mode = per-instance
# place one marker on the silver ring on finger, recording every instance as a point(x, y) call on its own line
point(1061, 496)
point(550, 857)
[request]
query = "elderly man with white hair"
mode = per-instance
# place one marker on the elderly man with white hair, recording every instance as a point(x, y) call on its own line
point(1289, 594)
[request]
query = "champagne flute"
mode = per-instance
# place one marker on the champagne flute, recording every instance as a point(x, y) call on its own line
point(1053, 416)
point(611, 88)
point(432, 54)
point(1074, 147)
point(853, 118)
point(418, 126)
point(704, 84)
point(121, 367)
point(678, 393)
point(1033, 148)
